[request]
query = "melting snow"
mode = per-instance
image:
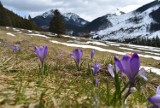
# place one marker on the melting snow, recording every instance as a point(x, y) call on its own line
point(77, 42)
point(153, 53)
point(151, 69)
point(7, 27)
point(88, 42)
point(129, 49)
point(88, 46)
point(69, 37)
point(14, 29)
point(104, 50)
point(30, 31)
point(40, 35)
point(149, 56)
point(96, 43)
point(146, 48)
point(10, 34)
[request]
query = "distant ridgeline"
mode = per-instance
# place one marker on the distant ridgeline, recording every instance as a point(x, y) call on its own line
point(8, 18)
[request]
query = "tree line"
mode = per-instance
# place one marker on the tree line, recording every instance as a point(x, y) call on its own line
point(8, 18)
point(155, 42)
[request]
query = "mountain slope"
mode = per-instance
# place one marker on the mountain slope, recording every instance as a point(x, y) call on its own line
point(98, 24)
point(141, 23)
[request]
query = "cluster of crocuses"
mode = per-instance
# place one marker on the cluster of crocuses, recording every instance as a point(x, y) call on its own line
point(15, 48)
point(129, 65)
point(77, 56)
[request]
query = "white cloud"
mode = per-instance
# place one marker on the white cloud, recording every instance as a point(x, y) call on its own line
point(87, 9)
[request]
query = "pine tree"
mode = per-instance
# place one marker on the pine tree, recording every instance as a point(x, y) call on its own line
point(4, 18)
point(57, 23)
point(1, 4)
point(29, 17)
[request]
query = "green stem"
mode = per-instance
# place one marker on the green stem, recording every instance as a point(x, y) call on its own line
point(42, 68)
point(129, 91)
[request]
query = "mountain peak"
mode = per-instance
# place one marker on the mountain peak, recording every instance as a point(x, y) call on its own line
point(119, 12)
point(48, 13)
point(71, 16)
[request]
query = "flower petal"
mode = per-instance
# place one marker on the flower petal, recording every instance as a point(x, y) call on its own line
point(78, 55)
point(117, 69)
point(92, 53)
point(36, 49)
point(158, 90)
point(72, 56)
point(118, 63)
point(126, 65)
point(111, 69)
point(155, 100)
point(134, 64)
point(41, 52)
point(142, 73)
point(45, 51)
point(96, 68)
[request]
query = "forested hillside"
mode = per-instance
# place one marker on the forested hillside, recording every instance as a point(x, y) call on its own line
point(8, 18)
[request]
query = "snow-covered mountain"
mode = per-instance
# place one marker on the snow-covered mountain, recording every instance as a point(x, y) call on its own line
point(72, 20)
point(141, 23)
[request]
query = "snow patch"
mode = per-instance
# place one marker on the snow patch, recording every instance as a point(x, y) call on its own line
point(30, 31)
point(39, 35)
point(151, 69)
point(129, 49)
point(153, 53)
point(14, 29)
point(96, 43)
point(7, 27)
point(10, 34)
point(69, 37)
point(145, 48)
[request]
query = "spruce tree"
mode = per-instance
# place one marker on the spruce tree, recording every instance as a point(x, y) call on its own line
point(57, 23)
point(29, 17)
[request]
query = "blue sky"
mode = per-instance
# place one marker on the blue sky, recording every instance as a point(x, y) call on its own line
point(87, 9)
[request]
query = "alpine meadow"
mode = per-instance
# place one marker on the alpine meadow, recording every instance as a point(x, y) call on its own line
point(57, 59)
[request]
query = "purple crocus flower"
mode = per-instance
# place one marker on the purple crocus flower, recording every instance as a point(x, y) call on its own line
point(129, 65)
point(96, 68)
point(92, 54)
point(16, 48)
point(41, 52)
point(77, 55)
point(142, 73)
point(111, 69)
point(155, 100)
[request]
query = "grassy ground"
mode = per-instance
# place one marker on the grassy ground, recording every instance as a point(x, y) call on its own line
point(22, 85)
